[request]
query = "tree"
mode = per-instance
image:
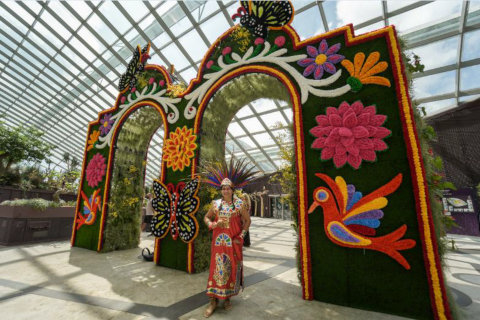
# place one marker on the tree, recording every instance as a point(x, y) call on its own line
point(21, 144)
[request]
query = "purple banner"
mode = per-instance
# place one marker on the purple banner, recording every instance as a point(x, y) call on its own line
point(462, 205)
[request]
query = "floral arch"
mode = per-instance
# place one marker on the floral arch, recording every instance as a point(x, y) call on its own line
point(359, 165)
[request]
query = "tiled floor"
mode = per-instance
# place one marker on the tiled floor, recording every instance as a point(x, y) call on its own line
point(54, 281)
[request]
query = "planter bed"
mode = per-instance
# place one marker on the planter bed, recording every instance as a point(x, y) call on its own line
point(20, 225)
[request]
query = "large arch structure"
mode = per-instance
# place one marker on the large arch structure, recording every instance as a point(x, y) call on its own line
point(357, 154)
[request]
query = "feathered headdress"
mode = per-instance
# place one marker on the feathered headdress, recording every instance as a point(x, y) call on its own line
point(238, 172)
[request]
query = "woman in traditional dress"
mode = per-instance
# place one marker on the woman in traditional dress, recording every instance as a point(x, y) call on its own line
point(229, 220)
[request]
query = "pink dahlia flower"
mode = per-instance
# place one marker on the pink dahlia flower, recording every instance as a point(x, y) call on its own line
point(96, 170)
point(350, 134)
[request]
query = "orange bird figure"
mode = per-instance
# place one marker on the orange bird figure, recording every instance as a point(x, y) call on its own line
point(350, 219)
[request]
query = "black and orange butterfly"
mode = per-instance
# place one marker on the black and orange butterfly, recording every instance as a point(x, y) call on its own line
point(135, 66)
point(259, 16)
point(175, 209)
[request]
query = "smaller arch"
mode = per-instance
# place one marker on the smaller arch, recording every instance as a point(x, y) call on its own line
point(111, 161)
point(293, 96)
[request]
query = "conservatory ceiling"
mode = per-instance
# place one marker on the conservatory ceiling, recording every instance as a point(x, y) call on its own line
point(60, 61)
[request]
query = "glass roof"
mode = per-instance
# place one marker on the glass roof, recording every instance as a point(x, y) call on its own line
point(60, 61)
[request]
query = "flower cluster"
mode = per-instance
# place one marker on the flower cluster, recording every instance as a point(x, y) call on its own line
point(178, 148)
point(96, 170)
point(350, 134)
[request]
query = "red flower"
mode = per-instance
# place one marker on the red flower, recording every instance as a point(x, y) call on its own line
point(350, 134)
point(280, 41)
point(96, 170)
point(209, 64)
point(259, 41)
point(226, 51)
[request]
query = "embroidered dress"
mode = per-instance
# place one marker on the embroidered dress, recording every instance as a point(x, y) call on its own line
point(226, 261)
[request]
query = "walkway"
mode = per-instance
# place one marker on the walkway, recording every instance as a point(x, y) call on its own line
point(54, 281)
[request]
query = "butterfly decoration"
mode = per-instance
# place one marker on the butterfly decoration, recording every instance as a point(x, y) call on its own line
point(135, 66)
point(175, 208)
point(259, 16)
point(90, 208)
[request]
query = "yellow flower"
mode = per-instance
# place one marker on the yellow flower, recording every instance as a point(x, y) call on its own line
point(132, 169)
point(92, 139)
point(178, 148)
point(126, 181)
point(174, 90)
point(364, 73)
point(242, 37)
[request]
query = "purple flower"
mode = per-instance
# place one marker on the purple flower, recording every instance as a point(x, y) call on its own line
point(106, 124)
point(321, 60)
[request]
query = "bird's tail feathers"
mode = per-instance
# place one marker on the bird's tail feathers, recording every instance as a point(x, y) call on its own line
point(390, 245)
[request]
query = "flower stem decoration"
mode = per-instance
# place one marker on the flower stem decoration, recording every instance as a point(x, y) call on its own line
point(277, 44)
point(226, 53)
point(364, 73)
point(179, 147)
point(350, 134)
point(258, 47)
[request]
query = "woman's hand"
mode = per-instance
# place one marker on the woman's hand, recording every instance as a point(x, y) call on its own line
point(238, 240)
point(222, 222)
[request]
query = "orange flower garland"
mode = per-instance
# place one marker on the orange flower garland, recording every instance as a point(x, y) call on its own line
point(179, 147)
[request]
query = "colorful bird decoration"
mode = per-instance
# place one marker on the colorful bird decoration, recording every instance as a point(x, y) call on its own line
point(90, 208)
point(351, 219)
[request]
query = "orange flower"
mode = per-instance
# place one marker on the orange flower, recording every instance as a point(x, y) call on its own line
point(178, 148)
point(363, 73)
point(93, 138)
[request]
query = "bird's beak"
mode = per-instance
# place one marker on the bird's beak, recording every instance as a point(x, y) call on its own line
point(312, 207)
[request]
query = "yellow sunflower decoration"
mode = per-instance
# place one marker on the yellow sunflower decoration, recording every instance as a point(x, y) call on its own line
point(178, 148)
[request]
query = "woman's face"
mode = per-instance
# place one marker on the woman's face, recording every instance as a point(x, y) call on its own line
point(227, 193)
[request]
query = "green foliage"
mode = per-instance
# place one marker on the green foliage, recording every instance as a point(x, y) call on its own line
point(21, 144)
point(434, 173)
point(126, 193)
point(206, 194)
point(37, 203)
point(433, 165)
point(287, 177)
point(414, 64)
